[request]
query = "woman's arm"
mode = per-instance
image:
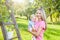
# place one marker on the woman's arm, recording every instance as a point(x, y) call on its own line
point(36, 33)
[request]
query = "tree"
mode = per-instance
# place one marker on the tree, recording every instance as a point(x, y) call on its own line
point(50, 6)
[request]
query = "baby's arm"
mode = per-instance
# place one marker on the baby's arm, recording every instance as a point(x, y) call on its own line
point(33, 28)
point(29, 26)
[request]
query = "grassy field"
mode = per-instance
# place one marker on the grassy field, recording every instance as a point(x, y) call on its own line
point(52, 32)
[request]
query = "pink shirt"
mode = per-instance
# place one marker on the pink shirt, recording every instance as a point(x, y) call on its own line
point(42, 25)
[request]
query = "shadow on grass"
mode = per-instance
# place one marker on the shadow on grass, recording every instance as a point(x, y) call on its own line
point(23, 26)
point(55, 32)
point(56, 23)
point(21, 18)
point(46, 34)
point(50, 31)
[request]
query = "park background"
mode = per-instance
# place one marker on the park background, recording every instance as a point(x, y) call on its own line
point(22, 11)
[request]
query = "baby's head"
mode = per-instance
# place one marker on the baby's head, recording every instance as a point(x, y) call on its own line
point(33, 18)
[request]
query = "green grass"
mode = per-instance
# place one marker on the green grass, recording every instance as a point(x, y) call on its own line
point(52, 32)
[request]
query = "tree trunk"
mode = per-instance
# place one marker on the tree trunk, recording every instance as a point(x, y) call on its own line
point(27, 15)
point(51, 17)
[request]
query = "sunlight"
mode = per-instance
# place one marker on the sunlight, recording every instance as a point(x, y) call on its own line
point(22, 1)
point(31, 1)
point(18, 1)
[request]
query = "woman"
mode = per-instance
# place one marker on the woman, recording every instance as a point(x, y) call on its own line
point(40, 26)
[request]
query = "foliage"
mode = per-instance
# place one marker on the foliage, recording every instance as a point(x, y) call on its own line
point(27, 8)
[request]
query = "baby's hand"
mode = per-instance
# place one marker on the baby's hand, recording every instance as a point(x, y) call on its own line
point(33, 29)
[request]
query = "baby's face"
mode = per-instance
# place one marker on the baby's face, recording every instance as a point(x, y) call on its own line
point(34, 19)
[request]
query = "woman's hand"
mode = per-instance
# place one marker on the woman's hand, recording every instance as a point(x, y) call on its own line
point(33, 30)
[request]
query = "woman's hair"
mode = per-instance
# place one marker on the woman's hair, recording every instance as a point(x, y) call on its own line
point(43, 16)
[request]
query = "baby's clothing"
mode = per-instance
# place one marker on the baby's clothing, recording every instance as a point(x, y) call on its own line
point(30, 26)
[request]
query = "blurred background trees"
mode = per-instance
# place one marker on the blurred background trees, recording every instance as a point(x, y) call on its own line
point(28, 7)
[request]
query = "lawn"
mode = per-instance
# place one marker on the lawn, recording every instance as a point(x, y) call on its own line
point(52, 32)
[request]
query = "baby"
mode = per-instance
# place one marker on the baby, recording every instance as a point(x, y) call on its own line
point(32, 20)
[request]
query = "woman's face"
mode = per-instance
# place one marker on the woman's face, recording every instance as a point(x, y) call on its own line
point(38, 14)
